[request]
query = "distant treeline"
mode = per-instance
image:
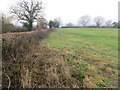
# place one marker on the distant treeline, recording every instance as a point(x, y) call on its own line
point(86, 27)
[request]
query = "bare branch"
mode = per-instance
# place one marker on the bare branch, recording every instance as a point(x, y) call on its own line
point(8, 78)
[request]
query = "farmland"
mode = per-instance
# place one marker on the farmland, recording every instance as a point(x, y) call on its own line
point(44, 45)
point(92, 52)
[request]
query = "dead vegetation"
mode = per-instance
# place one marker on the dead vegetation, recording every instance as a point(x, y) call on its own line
point(30, 64)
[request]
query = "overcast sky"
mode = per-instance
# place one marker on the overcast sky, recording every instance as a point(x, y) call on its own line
point(72, 10)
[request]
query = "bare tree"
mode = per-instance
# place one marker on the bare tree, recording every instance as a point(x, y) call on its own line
point(41, 23)
point(7, 26)
point(6, 19)
point(99, 21)
point(69, 24)
point(108, 23)
point(57, 22)
point(84, 20)
point(27, 11)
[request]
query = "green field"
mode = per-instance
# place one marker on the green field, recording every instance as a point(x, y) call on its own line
point(95, 52)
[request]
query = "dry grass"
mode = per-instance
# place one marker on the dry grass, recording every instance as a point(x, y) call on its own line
point(16, 48)
point(25, 77)
point(32, 65)
point(53, 71)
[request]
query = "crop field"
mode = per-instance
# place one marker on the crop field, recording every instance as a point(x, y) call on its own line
point(92, 52)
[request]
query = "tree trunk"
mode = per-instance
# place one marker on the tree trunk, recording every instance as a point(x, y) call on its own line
point(30, 25)
point(98, 25)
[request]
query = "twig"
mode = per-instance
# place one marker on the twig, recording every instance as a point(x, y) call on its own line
point(8, 78)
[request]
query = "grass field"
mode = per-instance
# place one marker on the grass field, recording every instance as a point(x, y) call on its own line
point(92, 52)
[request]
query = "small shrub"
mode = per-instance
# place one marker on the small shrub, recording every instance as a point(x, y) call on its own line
point(101, 83)
point(78, 74)
point(19, 29)
point(7, 28)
